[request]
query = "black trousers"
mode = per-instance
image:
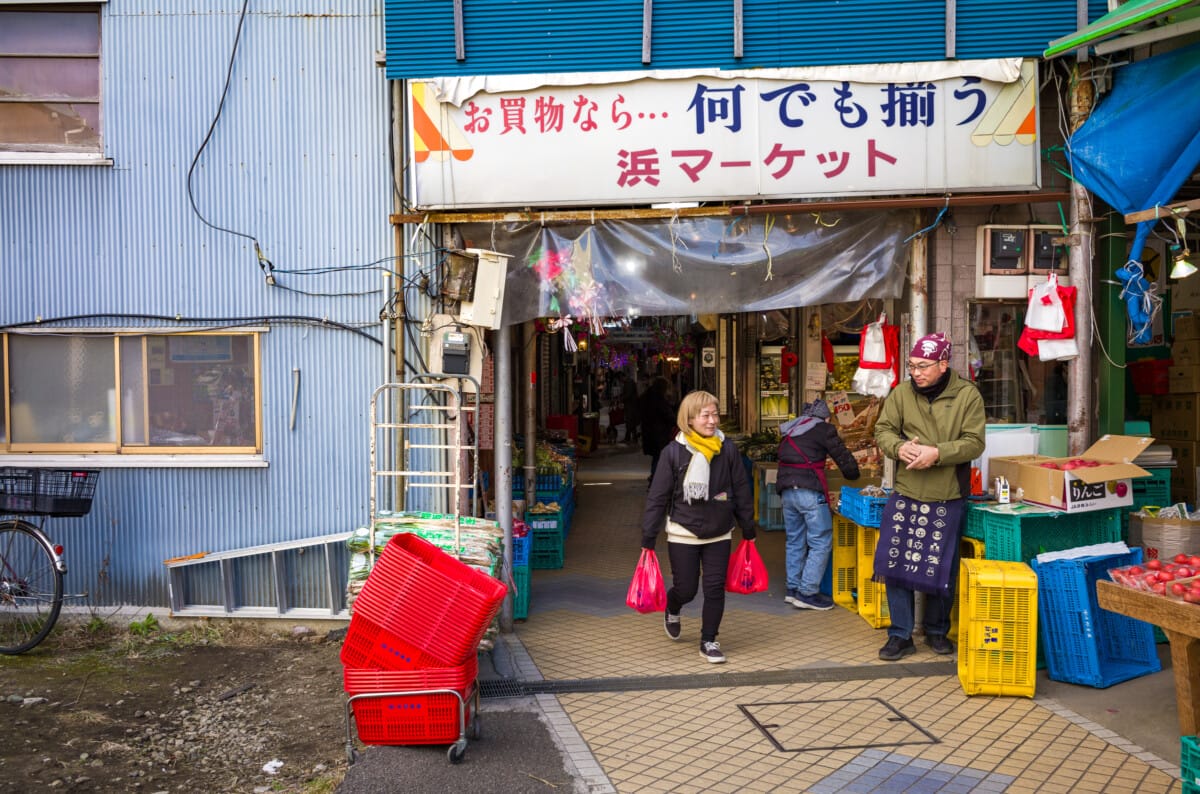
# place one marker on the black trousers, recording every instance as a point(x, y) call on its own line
point(687, 562)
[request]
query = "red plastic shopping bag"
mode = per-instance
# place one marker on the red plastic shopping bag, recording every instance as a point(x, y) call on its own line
point(647, 593)
point(746, 573)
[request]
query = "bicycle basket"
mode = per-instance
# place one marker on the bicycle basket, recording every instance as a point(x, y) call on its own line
point(52, 492)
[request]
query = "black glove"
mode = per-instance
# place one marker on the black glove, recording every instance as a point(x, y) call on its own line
point(748, 533)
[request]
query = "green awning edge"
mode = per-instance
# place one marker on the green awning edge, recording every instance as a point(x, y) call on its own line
point(1112, 23)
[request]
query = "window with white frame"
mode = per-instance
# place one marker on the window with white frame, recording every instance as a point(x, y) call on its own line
point(50, 79)
point(132, 393)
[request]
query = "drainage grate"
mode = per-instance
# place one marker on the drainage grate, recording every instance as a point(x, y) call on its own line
point(800, 726)
point(510, 688)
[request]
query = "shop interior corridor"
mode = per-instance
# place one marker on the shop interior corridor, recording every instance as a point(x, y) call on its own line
point(803, 703)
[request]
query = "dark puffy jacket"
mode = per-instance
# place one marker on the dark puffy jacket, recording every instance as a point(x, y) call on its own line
point(710, 518)
point(658, 421)
point(817, 444)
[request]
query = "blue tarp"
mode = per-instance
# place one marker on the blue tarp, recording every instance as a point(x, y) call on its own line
point(1136, 150)
point(1143, 141)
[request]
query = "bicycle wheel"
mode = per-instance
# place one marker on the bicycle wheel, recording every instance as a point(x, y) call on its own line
point(31, 587)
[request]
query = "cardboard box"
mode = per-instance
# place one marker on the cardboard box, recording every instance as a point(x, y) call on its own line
point(1176, 417)
point(1187, 326)
point(1183, 476)
point(1183, 379)
point(1186, 352)
point(1093, 488)
point(1163, 538)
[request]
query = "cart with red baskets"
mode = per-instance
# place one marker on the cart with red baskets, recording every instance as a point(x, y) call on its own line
point(409, 657)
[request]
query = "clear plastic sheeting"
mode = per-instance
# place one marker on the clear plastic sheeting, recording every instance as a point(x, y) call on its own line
point(709, 265)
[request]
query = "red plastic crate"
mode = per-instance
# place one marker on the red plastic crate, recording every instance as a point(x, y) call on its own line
point(429, 600)
point(411, 719)
point(459, 678)
point(370, 646)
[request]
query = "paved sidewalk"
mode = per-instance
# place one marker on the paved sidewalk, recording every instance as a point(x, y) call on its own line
point(803, 704)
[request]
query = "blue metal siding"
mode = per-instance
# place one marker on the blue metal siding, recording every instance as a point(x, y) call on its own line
point(298, 159)
point(543, 36)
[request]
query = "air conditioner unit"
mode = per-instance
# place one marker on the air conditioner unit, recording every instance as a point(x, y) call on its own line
point(1003, 257)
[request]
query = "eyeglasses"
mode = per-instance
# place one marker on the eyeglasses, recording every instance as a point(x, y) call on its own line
point(708, 415)
point(922, 367)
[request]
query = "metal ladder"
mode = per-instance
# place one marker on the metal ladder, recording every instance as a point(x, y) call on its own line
point(212, 585)
point(437, 470)
point(424, 422)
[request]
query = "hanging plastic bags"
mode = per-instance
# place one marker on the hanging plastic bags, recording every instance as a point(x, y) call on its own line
point(647, 593)
point(746, 573)
point(1045, 312)
point(1032, 339)
point(878, 359)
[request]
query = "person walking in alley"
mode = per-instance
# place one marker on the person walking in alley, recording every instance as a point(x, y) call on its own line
point(933, 426)
point(633, 417)
point(658, 420)
point(697, 492)
point(805, 443)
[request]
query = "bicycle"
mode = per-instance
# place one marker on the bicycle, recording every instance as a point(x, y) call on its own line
point(31, 565)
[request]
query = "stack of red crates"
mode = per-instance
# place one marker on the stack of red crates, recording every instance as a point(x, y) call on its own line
point(416, 626)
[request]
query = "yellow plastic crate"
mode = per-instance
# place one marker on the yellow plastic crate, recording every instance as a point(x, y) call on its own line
point(845, 561)
point(969, 549)
point(872, 596)
point(997, 636)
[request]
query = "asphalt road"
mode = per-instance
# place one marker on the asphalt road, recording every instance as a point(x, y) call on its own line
point(515, 755)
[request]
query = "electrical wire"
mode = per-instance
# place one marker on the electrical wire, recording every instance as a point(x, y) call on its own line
point(264, 264)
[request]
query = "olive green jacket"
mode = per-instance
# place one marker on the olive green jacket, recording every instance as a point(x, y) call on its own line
point(954, 422)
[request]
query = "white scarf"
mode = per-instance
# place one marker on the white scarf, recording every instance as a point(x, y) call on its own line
point(695, 482)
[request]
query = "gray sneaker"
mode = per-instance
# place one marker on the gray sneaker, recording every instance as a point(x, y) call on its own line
point(712, 652)
point(672, 626)
point(818, 601)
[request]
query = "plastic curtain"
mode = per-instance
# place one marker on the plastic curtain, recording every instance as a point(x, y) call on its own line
point(696, 265)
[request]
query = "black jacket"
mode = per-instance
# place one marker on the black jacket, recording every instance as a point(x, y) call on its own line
point(707, 519)
point(818, 443)
point(658, 421)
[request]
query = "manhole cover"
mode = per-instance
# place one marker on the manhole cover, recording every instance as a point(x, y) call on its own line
point(799, 726)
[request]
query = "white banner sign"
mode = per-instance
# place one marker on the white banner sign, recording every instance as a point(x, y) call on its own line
point(712, 139)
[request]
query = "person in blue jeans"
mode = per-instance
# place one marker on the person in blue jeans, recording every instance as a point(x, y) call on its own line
point(805, 443)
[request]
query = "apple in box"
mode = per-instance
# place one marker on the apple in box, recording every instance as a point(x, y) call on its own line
point(1098, 479)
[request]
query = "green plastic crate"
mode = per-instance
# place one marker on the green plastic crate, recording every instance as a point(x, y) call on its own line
point(1020, 537)
point(521, 580)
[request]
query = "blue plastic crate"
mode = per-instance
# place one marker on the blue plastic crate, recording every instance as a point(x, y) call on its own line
point(521, 547)
point(1083, 643)
point(866, 511)
point(770, 510)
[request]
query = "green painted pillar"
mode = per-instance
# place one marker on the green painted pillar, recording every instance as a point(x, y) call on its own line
point(1111, 249)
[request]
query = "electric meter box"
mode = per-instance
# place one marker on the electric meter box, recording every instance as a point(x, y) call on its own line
point(487, 304)
point(456, 353)
point(1005, 250)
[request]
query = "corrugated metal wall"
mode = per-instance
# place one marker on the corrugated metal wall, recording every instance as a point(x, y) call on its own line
point(298, 160)
point(532, 36)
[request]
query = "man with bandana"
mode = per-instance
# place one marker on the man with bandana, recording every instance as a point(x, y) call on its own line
point(933, 425)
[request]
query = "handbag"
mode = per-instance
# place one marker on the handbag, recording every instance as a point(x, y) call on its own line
point(746, 573)
point(647, 593)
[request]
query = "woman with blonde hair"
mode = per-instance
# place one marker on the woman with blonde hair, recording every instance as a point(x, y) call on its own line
point(699, 488)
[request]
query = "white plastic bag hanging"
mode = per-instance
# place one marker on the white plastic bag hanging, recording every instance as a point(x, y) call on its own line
point(1057, 349)
point(1045, 312)
point(875, 382)
point(873, 349)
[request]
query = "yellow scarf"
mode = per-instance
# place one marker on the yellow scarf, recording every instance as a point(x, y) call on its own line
point(708, 446)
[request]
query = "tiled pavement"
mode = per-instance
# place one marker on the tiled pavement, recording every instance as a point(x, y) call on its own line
point(803, 704)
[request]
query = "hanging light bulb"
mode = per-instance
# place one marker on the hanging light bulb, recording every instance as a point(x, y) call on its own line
point(1182, 268)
